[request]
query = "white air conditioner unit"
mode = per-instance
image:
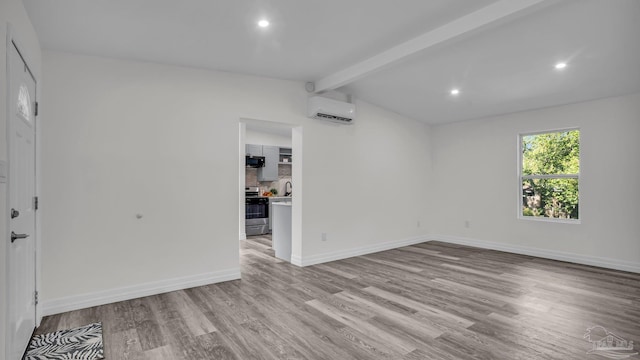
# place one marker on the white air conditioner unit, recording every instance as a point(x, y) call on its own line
point(332, 110)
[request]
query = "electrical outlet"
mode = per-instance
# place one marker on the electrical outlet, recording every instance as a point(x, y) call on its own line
point(323, 236)
point(467, 224)
point(418, 224)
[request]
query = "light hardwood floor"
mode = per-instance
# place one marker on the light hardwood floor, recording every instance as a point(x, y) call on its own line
point(428, 301)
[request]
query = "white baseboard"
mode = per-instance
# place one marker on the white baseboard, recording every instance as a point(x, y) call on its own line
point(296, 260)
point(76, 302)
point(343, 254)
point(543, 253)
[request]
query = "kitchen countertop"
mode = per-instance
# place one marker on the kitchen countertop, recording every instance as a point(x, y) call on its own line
point(272, 197)
point(282, 204)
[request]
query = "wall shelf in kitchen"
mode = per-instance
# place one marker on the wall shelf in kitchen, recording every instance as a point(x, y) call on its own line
point(285, 156)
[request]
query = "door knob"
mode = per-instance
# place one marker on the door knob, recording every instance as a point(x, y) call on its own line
point(14, 213)
point(15, 236)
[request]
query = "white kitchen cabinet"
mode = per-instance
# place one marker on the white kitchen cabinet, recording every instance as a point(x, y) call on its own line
point(272, 200)
point(253, 150)
point(281, 237)
point(271, 157)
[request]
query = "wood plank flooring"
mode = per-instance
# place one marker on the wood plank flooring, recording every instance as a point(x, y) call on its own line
point(427, 301)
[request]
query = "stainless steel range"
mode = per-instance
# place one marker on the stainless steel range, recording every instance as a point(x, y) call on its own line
point(256, 212)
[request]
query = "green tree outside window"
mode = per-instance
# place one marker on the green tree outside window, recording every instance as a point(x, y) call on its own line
point(550, 174)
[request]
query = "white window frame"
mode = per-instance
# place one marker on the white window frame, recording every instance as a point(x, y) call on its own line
point(556, 176)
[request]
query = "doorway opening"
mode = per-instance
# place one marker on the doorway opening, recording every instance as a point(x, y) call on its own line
point(269, 184)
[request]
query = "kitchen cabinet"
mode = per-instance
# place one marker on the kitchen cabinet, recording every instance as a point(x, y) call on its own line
point(253, 150)
point(281, 237)
point(272, 200)
point(271, 157)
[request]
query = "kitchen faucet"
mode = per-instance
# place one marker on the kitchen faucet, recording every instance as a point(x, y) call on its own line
point(288, 189)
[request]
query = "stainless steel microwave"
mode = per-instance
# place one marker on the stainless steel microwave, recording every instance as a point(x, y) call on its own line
point(254, 161)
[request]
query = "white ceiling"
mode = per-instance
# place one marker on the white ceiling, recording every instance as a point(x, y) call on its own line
point(511, 67)
point(501, 68)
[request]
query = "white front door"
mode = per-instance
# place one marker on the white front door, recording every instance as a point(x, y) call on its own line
point(22, 250)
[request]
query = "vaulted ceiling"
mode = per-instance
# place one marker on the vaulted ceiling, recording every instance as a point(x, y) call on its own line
point(404, 55)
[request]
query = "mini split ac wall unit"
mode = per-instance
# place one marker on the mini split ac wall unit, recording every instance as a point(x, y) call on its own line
point(331, 110)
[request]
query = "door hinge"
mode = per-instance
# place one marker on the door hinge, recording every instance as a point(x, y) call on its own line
point(35, 297)
point(36, 109)
point(35, 203)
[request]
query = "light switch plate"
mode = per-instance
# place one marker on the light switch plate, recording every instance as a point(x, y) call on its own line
point(3, 171)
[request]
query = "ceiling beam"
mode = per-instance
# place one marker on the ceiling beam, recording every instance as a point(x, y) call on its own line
point(475, 21)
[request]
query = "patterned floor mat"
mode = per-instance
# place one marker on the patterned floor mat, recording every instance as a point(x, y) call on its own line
point(83, 343)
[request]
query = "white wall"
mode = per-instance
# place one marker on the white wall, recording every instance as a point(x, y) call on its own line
point(13, 15)
point(364, 184)
point(123, 138)
point(475, 167)
point(265, 138)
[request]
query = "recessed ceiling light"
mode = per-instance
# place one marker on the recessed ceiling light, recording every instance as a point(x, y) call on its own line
point(455, 92)
point(560, 65)
point(263, 23)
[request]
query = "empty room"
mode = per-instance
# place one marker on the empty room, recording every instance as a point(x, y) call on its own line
point(363, 179)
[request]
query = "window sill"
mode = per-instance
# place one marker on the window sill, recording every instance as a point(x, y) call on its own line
point(550, 220)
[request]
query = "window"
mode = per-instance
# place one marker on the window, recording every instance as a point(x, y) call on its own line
point(549, 175)
point(24, 103)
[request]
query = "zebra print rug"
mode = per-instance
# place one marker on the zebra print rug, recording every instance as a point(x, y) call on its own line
point(83, 343)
